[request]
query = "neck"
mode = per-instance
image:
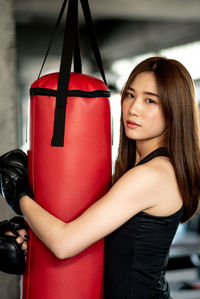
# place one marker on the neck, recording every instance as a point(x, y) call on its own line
point(145, 147)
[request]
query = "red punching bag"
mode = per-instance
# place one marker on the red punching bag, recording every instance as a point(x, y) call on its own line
point(69, 171)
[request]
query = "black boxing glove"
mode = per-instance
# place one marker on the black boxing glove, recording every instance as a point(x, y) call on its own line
point(12, 257)
point(13, 225)
point(14, 178)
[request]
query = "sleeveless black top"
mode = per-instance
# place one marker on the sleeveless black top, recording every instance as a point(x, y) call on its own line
point(136, 254)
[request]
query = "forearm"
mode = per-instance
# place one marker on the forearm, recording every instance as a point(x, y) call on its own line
point(48, 228)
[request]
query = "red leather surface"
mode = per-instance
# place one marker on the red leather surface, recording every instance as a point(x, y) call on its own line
point(66, 180)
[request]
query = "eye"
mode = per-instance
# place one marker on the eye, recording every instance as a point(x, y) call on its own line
point(130, 95)
point(150, 101)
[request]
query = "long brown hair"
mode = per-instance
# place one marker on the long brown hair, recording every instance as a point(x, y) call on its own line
point(177, 97)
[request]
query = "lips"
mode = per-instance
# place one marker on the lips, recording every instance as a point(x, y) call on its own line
point(132, 123)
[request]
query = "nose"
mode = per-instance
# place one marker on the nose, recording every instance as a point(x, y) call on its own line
point(135, 107)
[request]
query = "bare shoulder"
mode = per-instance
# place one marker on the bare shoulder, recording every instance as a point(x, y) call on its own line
point(154, 185)
point(162, 172)
point(159, 168)
point(163, 179)
point(143, 185)
point(150, 187)
point(153, 173)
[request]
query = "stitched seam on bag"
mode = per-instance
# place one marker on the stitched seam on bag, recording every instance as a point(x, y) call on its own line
point(71, 93)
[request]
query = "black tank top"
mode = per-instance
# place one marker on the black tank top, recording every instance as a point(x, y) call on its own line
point(136, 254)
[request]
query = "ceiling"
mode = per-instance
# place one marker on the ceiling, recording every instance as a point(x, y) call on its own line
point(124, 28)
point(177, 10)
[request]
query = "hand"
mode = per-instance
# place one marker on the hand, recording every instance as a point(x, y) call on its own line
point(16, 227)
point(21, 239)
point(13, 245)
point(14, 178)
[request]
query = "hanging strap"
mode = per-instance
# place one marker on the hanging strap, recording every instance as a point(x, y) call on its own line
point(53, 35)
point(93, 39)
point(64, 72)
point(92, 36)
point(70, 44)
point(77, 53)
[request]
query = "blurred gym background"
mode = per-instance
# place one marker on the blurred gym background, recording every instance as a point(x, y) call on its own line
point(127, 31)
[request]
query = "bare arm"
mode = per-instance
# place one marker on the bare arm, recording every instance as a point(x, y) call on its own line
point(125, 199)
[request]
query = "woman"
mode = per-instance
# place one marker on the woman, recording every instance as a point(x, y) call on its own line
point(156, 185)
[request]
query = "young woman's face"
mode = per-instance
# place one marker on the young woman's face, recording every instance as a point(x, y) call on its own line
point(142, 112)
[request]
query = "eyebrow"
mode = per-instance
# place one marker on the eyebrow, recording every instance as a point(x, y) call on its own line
point(145, 92)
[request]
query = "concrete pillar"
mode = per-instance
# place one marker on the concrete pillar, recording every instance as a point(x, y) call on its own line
point(9, 284)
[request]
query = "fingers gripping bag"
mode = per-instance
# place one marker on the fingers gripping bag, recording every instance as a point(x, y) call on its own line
point(69, 164)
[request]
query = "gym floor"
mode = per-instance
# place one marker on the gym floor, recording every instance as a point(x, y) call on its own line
point(181, 280)
point(183, 272)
